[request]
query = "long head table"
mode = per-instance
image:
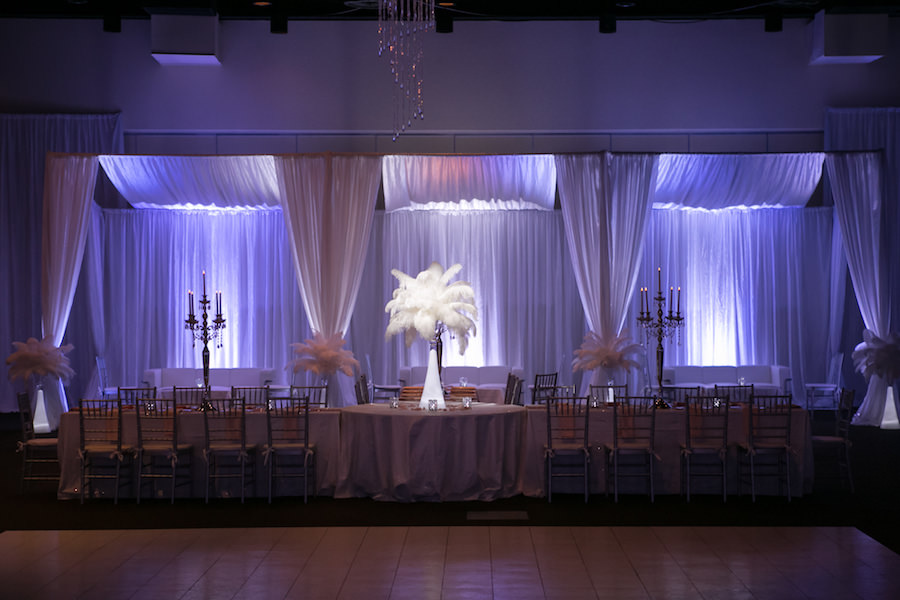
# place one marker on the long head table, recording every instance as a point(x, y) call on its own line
point(486, 452)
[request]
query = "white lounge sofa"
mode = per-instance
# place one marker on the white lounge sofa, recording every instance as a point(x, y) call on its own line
point(221, 379)
point(768, 379)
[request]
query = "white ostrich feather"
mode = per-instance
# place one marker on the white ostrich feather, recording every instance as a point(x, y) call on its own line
point(597, 352)
point(877, 356)
point(423, 303)
point(39, 358)
point(323, 356)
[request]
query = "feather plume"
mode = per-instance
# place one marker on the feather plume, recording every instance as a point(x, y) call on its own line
point(597, 352)
point(39, 358)
point(323, 356)
point(877, 356)
point(424, 303)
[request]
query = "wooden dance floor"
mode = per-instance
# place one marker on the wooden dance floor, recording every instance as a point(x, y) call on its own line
point(421, 563)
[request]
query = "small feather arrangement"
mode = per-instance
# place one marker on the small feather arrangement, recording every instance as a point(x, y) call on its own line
point(35, 358)
point(428, 301)
point(877, 356)
point(323, 356)
point(599, 353)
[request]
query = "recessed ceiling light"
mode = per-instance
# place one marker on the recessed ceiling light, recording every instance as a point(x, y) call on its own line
point(261, 3)
point(626, 4)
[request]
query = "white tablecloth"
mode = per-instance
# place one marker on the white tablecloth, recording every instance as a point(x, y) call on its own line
point(408, 454)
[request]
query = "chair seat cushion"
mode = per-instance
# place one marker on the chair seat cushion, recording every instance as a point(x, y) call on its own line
point(41, 443)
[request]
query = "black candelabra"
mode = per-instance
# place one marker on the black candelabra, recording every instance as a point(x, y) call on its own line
point(205, 330)
point(660, 326)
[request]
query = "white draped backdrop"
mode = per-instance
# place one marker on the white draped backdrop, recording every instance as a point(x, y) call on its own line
point(757, 282)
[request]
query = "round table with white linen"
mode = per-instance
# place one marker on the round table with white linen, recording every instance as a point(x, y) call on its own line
point(408, 454)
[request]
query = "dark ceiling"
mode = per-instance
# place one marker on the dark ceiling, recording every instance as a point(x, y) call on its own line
point(458, 10)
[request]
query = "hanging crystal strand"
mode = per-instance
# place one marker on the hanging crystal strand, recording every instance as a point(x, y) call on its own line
point(401, 24)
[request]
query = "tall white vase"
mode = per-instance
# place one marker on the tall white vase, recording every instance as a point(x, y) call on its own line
point(432, 390)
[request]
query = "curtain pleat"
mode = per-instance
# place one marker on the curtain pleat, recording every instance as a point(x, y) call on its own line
point(328, 203)
point(68, 192)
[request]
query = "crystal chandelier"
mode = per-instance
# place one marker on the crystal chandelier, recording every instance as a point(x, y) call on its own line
point(401, 25)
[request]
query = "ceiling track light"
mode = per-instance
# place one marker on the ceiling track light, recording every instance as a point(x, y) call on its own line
point(443, 21)
point(112, 23)
point(608, 23)
point(278, 23)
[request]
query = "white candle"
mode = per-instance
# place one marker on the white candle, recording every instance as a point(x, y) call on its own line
point(679, 300)
point(659, 280)
point(670, 299)
point(204, 284)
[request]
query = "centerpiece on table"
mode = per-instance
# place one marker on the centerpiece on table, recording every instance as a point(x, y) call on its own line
point(323, 356)
point(31, 362)
point(605, 356)
point(427, 305)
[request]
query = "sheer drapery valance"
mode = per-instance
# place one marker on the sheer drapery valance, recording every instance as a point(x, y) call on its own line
point(469, 182)
point(714, 181)
point(193, 182)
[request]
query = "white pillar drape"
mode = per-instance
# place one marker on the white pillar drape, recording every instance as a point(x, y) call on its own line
point(328, 203)
point(856, 181)
point(68, 192)
point(606, 202)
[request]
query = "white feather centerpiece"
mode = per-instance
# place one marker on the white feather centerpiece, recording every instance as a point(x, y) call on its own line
point(877, 356)
point(426, 305)
point(606, 355)
point(34, 359)
point(323, 356)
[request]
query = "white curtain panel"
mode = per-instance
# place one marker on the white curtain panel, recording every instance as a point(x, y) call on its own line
point(606, 201)
point(153, 257)
point(328, 204)
point(714, 181)
point(755, 285)
point(68, 192)
point(194, 181)
point(25, 140)
point(529, 310)
point(857, 188)
point(469, 182)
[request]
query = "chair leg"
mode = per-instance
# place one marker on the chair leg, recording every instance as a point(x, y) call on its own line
point(787, 470)
point(548, 470)
point(271, 474)
point(243, 476)
point(616, 477)
point(118, 475)
point(752, 479)
point(139, 462)
point(724, 480)
point(846, 452)
point(208, 461)
point(83, 477)
point(587, 480)
point(686, 476)
point(652, 494)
